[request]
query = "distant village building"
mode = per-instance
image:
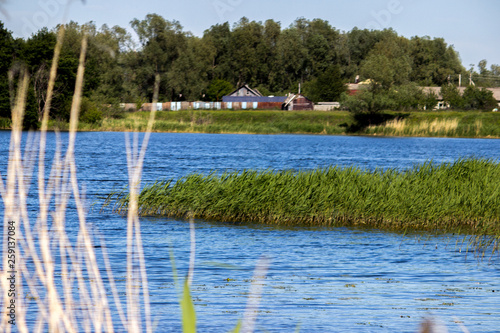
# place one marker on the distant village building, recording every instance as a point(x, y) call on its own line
point(298, 103)
point(247, 98)
point(326, 106)
point(245, 91)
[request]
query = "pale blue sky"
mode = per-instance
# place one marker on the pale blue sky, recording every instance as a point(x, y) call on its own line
point(472, 26)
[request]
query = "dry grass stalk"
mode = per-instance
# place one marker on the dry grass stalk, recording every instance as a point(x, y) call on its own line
point(135, 160)
point(59, 304)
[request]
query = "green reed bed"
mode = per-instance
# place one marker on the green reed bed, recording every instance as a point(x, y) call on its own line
point(464, 195)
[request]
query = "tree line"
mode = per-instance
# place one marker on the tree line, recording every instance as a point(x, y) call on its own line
point(273, 59)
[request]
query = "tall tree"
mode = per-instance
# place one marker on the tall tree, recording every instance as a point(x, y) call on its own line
point(433, 61)
point(327, 87)
point(292, 58)
point(38, 52)
point(247, 48)
point(6, 59)
point(216, 41)
point(162, 42)
point(187, 78)
point(388, 62)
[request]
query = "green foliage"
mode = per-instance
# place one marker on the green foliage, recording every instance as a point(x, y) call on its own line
point(217, 89)
point(407, 97)
point(369, 101)
point(327, 87)
point(402, 98)
point(5, 123)
point(451, 95)
point(433, 61)
point(388, 62)
point(90, 112)
point(487, 77)
point(6, 60)
point(429, 100)
point(162, 43)
point(30, 119)
point(355, 103)
point(262, 54)
point(473, 98)
point(479, 99)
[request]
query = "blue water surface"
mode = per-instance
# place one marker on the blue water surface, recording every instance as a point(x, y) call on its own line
point(323, 279)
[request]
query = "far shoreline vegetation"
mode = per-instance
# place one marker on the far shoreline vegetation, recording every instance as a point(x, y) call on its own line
point(309, 55)
point(443, 123)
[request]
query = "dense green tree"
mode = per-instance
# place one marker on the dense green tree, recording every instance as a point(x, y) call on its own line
point(6, 60)
point(269, 69)
point(451, 95)
point(327, 87)
point(357, 45)
point(217, 89)
point(369, 102)
point(215, 43)
point(388, 62)
point(162, 42)
point(247, 50)
point(187, 77)
point(433, 61)
point(30, 119)
point(408, 97)
point(321, 43)
point(478, 98)
point(292, 59)
point(37, 53)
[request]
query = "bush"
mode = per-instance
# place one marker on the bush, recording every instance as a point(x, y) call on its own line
point(451, 95)
point(478, 98)
point(5, 123)
point(353, 103)
point(429, 100)
point(368, 101)
point(90, 112)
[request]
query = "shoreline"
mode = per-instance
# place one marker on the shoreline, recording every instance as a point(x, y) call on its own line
point(444, 124)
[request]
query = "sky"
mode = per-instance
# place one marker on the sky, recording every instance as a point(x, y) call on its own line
point(471, 26)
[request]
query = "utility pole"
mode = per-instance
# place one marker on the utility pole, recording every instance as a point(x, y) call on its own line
point(459, 80)
point(471, 83)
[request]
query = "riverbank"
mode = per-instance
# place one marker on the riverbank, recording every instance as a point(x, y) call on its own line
point(469, 124)
point(457, 197)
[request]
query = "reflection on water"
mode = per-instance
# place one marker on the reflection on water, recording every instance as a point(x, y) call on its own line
point(328, 280)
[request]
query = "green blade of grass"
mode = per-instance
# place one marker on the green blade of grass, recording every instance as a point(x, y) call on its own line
point(188, 312)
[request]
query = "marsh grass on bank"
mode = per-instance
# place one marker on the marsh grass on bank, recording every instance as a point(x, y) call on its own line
point(467, 124)
point(450, 197)
point(225, 121)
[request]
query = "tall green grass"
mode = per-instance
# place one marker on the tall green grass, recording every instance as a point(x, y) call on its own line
point(464, 195)
point(258, 122)
point(469, 124)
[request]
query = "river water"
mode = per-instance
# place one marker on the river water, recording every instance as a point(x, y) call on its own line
point(323, 279)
